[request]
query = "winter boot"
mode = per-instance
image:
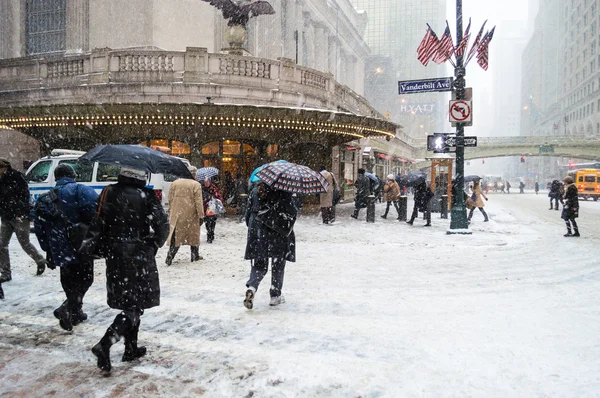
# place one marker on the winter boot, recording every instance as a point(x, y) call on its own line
point(249, 300)
point(171, 254)
point(276, 301)
point(64, 317)
point(132, 351)
point(576, 230)
point(195, 254)
point(384, 216)
point(568, 234)
point(102, 349)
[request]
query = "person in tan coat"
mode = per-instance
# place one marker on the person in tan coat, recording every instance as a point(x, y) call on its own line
point(391, 194)
point(326, 198)
point(476, 197)
point(186, 216)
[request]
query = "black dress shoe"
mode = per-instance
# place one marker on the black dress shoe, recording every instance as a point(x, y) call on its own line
point(4, 279)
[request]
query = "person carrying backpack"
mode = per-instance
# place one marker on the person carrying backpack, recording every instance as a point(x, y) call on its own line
point(61, 217)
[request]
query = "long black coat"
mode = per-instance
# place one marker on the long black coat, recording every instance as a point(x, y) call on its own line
point(264, 242)
point(14, 195)
point(128, 211)
point(363, 189)
point(422, 196)
point(571, 209)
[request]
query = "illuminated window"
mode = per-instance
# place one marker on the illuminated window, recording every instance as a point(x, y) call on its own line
point(231, 148)
point(272, 150)
point(212, 148)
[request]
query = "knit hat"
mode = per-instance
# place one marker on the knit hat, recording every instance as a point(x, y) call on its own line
point(390, 177)
point(4, 162)
point(133, 173)
point(193, 170)
point(568, 180)
point(64, 170)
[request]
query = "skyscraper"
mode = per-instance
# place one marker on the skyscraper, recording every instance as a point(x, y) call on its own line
point(394, 31)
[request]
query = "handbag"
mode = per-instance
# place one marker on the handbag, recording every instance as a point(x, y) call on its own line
point(220, 209)
point(474, 197)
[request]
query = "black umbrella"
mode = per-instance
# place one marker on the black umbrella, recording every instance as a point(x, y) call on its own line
point(138, 157)
point(413, 178)
point(472, 178)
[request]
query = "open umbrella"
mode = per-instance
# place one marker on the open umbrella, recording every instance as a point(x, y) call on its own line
point(413, 178)
point(206, 172)
point(472, 178)
point(254, 178)
point(372, 176)
point(293, 178)
point(138, 157)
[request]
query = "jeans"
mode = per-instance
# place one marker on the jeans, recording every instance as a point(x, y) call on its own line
point(259, 270)
point(21, 229)
point(387, 208)
point(415, 213)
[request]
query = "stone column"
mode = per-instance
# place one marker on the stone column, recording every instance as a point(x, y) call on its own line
point(78, 12)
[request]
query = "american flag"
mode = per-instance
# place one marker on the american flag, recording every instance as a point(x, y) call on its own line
point(483, 50)
point(427, 47)
point(445, 48)
point(475, 43)
point(462, 46)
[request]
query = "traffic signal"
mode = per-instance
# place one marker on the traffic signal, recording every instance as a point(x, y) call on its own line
point(436, 143)
point(523, 159)
point(571, 165)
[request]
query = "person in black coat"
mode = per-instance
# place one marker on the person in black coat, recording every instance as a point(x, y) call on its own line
point(555, 194)
point(270, 218)
point(363, 190)
point(131, 226)
point(74, 204)
point(422, 196)
point(14, 218)
point(571, 208)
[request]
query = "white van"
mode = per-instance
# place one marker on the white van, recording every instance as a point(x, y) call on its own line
point(40, 175)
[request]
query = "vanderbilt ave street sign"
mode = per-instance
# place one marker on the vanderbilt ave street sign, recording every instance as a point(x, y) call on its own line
point(425, 85)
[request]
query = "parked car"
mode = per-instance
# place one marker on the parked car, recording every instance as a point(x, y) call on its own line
point(40, 175)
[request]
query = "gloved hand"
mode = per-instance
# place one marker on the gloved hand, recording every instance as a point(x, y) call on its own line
point(51, 265)
point(201, 221)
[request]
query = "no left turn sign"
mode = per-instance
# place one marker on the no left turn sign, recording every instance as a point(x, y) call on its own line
point(460, 111)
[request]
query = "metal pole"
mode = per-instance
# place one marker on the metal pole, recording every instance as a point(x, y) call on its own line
point(459, 210)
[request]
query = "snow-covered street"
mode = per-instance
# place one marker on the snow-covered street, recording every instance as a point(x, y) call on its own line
point(372, 310)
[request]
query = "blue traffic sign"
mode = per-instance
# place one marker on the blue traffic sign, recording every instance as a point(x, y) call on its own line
point(425, 85)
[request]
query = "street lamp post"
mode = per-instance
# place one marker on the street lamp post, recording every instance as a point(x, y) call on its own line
point(458, 214)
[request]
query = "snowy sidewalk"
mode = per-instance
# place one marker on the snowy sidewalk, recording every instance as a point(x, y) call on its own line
point(372, 310)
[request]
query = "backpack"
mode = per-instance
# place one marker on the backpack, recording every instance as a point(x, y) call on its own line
point(49, 209)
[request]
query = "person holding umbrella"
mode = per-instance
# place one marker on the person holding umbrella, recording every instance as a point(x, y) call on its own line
point(270, 217)
point(210, 192)
point(422, 195)
point(127, 213)
point(363, 190)
point(476, 197)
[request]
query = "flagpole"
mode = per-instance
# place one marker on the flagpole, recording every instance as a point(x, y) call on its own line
point(458, 213)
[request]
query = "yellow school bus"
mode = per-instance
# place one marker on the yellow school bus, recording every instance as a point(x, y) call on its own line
point(587, 182)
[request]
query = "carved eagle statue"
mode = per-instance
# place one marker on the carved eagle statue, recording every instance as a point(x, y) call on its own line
point(239, 12)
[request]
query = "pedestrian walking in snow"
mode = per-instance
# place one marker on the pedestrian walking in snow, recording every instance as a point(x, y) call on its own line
point(127, 213)
point(210, 192)
point(61, 216)
point(270, 236)
point(326, 198)
point(363, 190)
point(571, 207)
point(241, 196)
point(186, 216)
point(422, 196)
point(536, 187)
point(555, 194)
point(391, 194)
point(14, 218)
point(521, 187)
point(507, 186)
point(476, 197)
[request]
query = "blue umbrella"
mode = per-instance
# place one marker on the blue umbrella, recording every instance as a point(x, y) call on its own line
point(372, 176)
point(254, 178)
